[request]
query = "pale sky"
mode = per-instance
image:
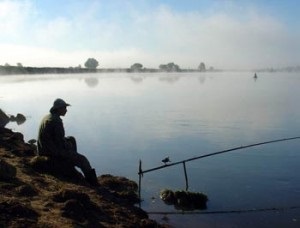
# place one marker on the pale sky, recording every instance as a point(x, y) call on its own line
point(225, 34)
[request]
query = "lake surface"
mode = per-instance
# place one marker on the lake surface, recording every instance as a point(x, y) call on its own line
point(119, 119)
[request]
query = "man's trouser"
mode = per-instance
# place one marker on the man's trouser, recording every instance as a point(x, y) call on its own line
point(76, 158)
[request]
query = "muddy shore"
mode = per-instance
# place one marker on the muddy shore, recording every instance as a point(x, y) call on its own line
point(34, 195)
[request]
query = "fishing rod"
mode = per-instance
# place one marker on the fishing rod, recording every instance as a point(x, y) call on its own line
point(141, 172)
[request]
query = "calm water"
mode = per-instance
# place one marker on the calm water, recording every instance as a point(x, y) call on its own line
point(119, 119)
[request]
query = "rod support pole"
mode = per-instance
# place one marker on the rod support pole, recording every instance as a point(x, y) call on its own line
point(140, 181)
point(186, 177)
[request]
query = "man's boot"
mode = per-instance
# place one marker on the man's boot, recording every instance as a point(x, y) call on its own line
point(91, 177)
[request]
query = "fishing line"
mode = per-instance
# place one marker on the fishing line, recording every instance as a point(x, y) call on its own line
point(224, 211)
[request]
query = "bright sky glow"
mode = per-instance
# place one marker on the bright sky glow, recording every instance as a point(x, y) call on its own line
point(225, 34)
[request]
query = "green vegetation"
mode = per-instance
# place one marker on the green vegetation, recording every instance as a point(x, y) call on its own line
point(202, 67)
point(91, 63)
point(136, 67)
point(170, 67)
point(9, 70)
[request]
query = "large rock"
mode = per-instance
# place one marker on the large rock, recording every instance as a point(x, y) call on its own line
point(7, 171)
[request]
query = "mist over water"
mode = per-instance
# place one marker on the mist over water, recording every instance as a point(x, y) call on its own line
point(119, 119)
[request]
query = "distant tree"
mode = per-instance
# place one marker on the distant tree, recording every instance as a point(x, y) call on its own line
point(136, 67)
point(7, 65)
point(173, 67)
point(19, 65)
point(202, 67)
point(163, 67)
point(91, 63)
point(170, 67)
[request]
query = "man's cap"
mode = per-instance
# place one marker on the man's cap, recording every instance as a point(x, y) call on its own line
point(59, 103)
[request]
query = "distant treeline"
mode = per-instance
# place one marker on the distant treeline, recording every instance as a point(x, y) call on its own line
point(283, 69)
point(12, 70)
point(7, 70)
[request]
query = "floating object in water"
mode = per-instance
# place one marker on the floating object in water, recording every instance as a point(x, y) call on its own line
point(184, 200)
point(167, 196)
point(32, 141)
point(255, 76)
point(166, 160)
point(19, 118)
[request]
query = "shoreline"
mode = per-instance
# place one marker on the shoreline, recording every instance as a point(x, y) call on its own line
point(27, 70)
point(17, 70)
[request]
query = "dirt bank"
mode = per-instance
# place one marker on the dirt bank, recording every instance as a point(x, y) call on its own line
point(32, 196)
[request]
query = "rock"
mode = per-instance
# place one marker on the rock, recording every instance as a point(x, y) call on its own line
point(7, 171)
point(32, 141)
point(26, 190)
point(14, 143)
point(16, 209)
point(56, 167)
point(16, 214)
point(118, 183)
point(75, 210)
point(4, 119)
point(83, 217)
point(17, 136)
point(122, 187)
point(20, 118)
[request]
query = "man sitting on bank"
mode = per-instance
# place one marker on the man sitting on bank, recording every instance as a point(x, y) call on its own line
point(53, 143)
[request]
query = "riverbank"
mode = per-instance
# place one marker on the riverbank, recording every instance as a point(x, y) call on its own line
point(32, 196)
point(18, 70)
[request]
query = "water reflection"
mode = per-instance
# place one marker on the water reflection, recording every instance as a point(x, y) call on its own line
point(169, 78)
point(202, 79)
point(91, 82)
point(137, 78)
point(255, 77)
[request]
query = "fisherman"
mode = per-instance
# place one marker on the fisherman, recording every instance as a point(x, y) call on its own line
point(53, 143)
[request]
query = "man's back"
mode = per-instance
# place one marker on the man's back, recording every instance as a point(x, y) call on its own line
point(51, 136)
